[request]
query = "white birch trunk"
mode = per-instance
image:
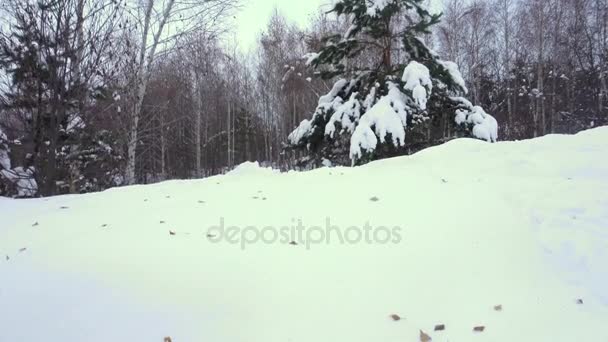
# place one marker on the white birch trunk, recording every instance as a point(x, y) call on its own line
point(143, 73)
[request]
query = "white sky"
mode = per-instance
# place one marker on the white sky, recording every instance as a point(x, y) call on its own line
point(254, 16)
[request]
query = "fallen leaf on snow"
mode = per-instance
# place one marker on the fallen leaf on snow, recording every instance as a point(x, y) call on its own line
point(424, 337)
point(395, 317)
point(35, 224)
point(497, 307)
point(374, 199)
point(440, 327)
point(22, 250)
point(479, 328)
point(293, 243)
point(579, 301)
point(171, 232)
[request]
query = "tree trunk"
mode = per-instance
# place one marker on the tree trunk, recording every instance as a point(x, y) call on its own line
point(143, 75)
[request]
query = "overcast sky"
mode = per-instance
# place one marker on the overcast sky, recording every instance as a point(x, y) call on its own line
point(254, 16)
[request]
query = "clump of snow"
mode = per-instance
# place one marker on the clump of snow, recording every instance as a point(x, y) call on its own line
point(417, 79)
point(346, 114)
point(337, 87)
point(454, 72)
point(23, 180)
point(310, 57)
point(327, 102)
point(484, 126)
point(348, 34)
point(74, 122)
point(370, 99)
point(387, 116)
point(300, 133)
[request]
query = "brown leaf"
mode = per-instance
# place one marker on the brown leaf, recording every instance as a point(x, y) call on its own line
point(479, 328)
point(395, 317)
point(579, 301)
point(167, 339)
point(424, 337)
point(293, 243)
point(162, 222)
point(22, 250)
point(497, 307)
point(439, 327)
point(171, 232)
point(35, 224)
point(104, 225)
point(64, 207)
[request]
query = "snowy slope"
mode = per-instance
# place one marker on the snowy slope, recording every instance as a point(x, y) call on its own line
point(518, 224)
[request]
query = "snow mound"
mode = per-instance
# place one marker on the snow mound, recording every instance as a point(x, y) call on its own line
point(520, 225)
point(250, 168)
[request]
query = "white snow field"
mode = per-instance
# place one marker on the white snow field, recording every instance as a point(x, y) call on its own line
point(522, 224)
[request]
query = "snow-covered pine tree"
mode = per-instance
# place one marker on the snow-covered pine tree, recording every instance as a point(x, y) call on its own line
point(387, 102)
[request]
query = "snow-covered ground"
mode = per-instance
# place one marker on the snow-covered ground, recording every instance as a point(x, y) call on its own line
point(523, 225)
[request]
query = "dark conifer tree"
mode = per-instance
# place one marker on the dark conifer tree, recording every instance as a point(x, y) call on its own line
point(388, 104)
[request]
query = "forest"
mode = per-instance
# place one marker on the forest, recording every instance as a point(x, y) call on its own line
point(102, 93)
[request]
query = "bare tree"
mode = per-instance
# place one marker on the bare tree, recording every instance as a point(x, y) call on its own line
point(164, 22)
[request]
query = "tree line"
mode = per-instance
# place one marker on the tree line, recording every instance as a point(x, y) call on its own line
point(103, 93)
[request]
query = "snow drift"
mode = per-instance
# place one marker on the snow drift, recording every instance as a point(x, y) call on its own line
point(520, 226)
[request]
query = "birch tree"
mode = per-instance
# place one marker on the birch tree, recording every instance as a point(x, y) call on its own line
point(162, 24)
